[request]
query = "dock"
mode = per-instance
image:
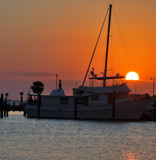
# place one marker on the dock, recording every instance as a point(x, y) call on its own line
point(6, 107)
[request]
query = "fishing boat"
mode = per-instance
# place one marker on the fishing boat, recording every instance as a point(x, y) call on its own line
point(96, 101)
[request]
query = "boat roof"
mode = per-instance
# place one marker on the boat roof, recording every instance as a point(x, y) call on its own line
point(123, 88)
point(102, 78)
point(57, 92)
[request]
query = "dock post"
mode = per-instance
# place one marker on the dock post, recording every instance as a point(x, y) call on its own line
point(21, 102)
point(0, 108)
point(6, 106)
point(24, 114)
point(154, 110)
point(75, 108)
point(1, 105)
point(113, 105)
point(7, 110)
point(39, 105)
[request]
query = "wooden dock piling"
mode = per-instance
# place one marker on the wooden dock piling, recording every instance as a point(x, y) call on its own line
point(154, 110)
point(1, 106)
point(5, 106)
point(21, 93)
point(39, 105)
point(75, 108)
point(113, 105)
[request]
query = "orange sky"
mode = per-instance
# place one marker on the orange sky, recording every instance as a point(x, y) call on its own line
point(59, 37)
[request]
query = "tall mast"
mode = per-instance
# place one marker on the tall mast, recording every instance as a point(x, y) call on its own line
point(95, 48)
point(105, 73)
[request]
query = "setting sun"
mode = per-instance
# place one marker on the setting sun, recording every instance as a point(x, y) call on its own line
point(132, 76)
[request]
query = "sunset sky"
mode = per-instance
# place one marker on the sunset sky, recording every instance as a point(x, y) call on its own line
point(41, 38)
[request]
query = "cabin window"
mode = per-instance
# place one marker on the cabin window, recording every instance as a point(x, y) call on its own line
point(79, 100)
point(82, 100)
point(85, 101)
point(63, 100)
point(33, 99)
point(95, 97)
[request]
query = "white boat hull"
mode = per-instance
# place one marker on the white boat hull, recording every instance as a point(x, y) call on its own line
point(131, 110)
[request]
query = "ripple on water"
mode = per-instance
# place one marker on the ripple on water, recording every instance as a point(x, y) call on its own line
point(23, 138)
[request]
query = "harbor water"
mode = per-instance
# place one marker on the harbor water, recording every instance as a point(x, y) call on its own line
point(22, 138)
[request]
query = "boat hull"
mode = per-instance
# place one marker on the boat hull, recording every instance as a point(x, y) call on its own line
point(131, 110)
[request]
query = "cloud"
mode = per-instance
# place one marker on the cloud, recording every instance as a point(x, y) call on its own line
point(26, 74)
point(38, 74)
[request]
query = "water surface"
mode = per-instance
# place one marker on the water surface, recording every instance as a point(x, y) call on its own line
point(34, 139)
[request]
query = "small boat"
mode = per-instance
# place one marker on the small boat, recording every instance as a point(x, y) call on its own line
point(96, 101)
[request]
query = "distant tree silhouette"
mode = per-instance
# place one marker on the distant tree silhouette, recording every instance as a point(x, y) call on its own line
point(37, 87)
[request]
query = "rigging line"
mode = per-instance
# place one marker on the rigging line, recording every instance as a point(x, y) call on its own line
point(122, 39)
point(95, 47)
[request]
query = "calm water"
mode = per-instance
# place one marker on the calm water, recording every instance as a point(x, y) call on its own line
point(32, 139)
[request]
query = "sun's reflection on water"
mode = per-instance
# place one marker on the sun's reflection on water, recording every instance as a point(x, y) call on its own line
point(128, 155)
point(68, 139)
